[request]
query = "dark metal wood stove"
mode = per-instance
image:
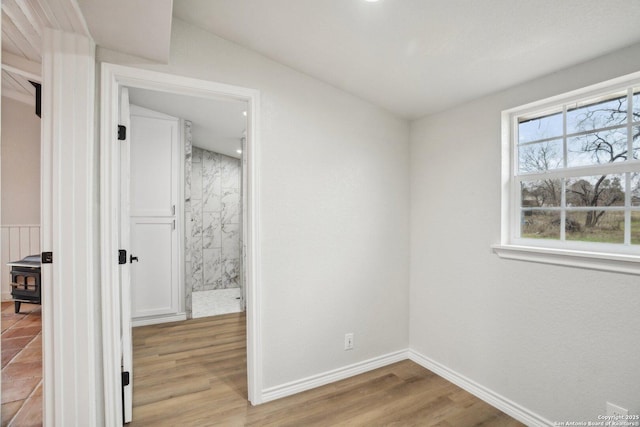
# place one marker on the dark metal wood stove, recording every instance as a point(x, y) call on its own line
point(25, 281)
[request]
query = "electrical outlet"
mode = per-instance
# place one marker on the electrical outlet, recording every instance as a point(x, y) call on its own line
point(348, 341)
point(615, 410)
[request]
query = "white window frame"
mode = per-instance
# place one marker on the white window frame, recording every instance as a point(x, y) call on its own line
point(623, 258)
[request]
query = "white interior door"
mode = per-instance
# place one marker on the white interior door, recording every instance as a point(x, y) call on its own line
point(154, 274)
point(125, 279)
point(154, 166)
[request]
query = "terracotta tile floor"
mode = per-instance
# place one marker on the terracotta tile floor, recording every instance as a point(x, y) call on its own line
point(21, 365)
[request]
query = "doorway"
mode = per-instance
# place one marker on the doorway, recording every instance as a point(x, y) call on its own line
point(181, 199)
point(20, 238)
point(186, 183)
point(115, 320)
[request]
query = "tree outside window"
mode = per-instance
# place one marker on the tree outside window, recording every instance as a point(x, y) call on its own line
point(578, 170)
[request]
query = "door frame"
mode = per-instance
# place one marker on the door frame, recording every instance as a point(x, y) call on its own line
point(112, 78)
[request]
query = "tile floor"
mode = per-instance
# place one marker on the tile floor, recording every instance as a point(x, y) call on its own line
point(213, 303)
point(21, 365)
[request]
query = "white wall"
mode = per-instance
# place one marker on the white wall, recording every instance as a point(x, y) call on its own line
point(20, 164)
point(20, 186)
point(559, 341)
point(334, 210)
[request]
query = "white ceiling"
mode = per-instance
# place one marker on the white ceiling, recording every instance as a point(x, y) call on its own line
point(217, 125)
point(22, 25)
point(137, 27)
point(411, 57)
point(16, 86)
point(416, 57)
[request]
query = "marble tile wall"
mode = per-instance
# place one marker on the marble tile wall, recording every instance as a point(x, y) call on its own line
point(213, 221)
point(188, 148)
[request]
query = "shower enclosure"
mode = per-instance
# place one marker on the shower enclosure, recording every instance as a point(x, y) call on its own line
point(213, 232)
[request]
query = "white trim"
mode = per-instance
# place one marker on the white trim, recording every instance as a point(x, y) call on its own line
point(124, 147)
point(155, 320)
point(109, 233)
point(138, 111)
point(252, 252)
point(577, 95)
point(46, 237)
point(617, 263)
point(114, 76)
point(70, 343)
point(494, 399)
point(22, 66)
point(580, 171)
point(507, 159)
point(298, 386)
point(615, 257)
point(6, 296)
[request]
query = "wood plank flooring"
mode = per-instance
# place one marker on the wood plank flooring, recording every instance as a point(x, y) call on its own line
point(193, 373)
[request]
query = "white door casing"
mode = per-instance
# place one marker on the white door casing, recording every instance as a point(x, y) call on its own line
point(116, 76)
point(243, 205)
point(125, 272)
point(70, 285)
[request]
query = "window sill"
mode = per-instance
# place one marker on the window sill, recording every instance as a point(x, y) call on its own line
point(618, 263)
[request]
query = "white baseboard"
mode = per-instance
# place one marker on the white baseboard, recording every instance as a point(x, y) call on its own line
point(494, 399)
point(293, 387)
point(145, 321)
point(6, 296)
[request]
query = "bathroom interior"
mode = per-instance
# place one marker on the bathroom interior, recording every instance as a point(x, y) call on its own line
point(211, 138)
point(213, 209)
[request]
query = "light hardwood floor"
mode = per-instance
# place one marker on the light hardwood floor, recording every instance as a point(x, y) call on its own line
point(193, 373)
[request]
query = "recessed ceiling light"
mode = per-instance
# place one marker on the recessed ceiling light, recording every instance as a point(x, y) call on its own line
point(244, 113)
point(239, 151)
point(371, 1)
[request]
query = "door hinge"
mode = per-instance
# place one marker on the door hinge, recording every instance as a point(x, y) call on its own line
point(122, 256)
point(46, 258)
point(125, 378)
point(38, 87)
point(122, 133)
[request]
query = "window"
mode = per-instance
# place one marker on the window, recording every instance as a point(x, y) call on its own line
point(572, 171)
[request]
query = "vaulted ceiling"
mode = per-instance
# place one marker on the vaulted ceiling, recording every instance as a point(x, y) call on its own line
point(411, 57)
point(416, 57)
point(137, 27)
point(217, 125)
point(22, 25)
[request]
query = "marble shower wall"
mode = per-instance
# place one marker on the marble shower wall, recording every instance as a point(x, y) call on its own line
point(188, 271)
point(213, 221)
